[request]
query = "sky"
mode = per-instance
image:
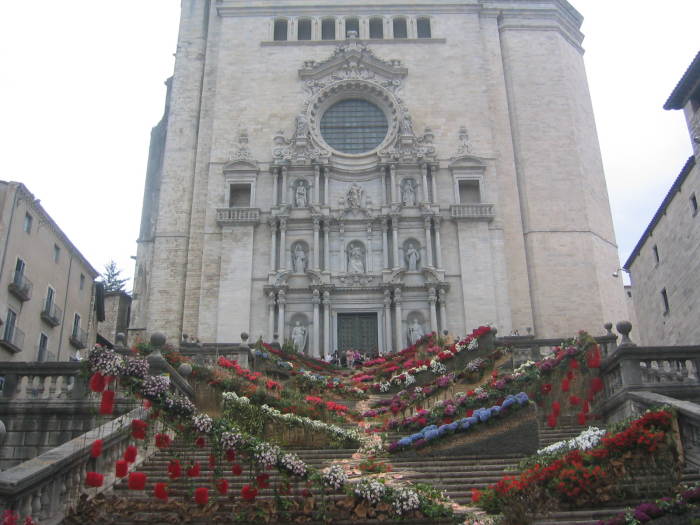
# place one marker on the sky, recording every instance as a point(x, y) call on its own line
point(82, 84)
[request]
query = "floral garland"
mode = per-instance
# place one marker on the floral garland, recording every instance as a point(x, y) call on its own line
point(681, 503)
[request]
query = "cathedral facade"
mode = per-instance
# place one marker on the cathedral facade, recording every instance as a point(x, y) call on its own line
point(353, 175)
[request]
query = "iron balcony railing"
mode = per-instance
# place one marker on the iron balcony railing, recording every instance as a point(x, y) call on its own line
point(21, 287)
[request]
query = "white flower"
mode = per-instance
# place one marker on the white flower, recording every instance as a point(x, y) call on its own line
point(586, 440)
point(370, 490)
point(335, 477)
point(404, 500)
point(202, 423)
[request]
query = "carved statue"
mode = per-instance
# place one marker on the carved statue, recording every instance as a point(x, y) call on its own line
point(300, 194)
point(302, 126)
point(412, 257)
point(415, 331)
point(355, 196)
point(356, 259)
point(299, 337)
point(406, 124)
point(299, 259)
point(408, 192)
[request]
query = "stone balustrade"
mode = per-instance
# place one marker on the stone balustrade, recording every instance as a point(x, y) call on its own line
point(47, 380)
point(472, 212)
point(530, 348)
point(232, 216)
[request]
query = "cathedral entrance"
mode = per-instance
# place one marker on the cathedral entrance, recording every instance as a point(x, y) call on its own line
point(358, 331)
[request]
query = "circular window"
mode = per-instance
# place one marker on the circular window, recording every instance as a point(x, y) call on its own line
point(354, 126)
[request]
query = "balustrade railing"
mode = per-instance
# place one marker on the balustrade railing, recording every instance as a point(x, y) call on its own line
point(472, 211)
point(51, 314)
point(531, 348)
point(78, 338)
point(237, 215)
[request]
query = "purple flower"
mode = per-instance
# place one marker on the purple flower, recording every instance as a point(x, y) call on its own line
point(641, 516)
point(419, 443)
point(650, 509)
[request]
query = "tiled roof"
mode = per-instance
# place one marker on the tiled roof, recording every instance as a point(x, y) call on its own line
point(689, 80)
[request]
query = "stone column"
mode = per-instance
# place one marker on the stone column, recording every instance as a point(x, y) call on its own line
point(284, 185)
point(271, 315)
point(326, 185)
point(273, 243)
point(442, 295)
point(316, 258)
point(368, 255)
point(424, 177)
point(385, 196)
point(317, 180)
point(385, 242)
point(283, 244)
point(433, 182)
point(428, 241)
point(397, 310)
point(327, 323)
point(395, 238)
point(326, 245)
point(387, 321)
point(281, 301)
point(275, 176)
point(438, 245)
point(341, 232)
point(316, 343)
point(432, 298)
point(392, 171)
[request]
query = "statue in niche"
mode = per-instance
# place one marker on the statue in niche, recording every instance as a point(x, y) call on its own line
point(299, 259)
point(415, 332)
point(356, 259)
point(412, 257)
point(406, 124)
point(301, 194)
point(299, 337)
point(302, 126)
point(408, 192)
point(355, 196)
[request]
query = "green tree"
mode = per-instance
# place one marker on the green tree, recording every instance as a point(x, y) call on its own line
point(111, 279)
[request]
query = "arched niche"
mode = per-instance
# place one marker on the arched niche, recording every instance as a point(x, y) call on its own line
point(356, 257)
point(299, 253)
point(299, 331)
point(412, 255)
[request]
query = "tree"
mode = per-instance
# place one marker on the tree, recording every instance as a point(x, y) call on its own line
point(111, 279)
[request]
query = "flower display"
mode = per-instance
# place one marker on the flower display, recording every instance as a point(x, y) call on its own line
point(154, 387)
point(371, 490)
point(137, 481)
point(266, 455)
point(107, 402)
point(248, 492)
point(202, 423)
point(586, 440)
point(160, 491)
point(293, 464)
point(105, 361)
point(335, 477)
point(96, 448)
point(230, 440)
point(136, 367)
point(405, 500)
point(179, 405)
point(94, 479)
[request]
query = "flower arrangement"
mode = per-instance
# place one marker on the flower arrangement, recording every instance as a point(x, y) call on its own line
point(682, 502)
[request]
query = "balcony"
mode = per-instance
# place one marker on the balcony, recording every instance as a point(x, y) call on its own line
point(472, 212)
point(21, 287)
point(12, 339)
point(236, 216)
point(78, 339)
point(51, 314)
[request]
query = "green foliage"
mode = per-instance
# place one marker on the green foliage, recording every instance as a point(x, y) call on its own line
point(111, 279)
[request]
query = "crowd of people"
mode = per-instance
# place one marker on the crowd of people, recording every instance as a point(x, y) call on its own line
point(350, 358)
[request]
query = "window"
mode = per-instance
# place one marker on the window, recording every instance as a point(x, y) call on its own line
point(280, 31)
point(82, 281)
point(56, 252)
point(400, 30)
point(352, 24)
point(469, 192)
point(304, 29)
point(655, 249)
point(43, 347)
point(328, 29)
point(28, 223)
point(354, 126)
point(50, 295)
point(19, 271)
point(76, 326)
point(664, 298)
point(10, 321)
point(376, 28)
point(239, 196)
point(423, 27)
point(694, 204)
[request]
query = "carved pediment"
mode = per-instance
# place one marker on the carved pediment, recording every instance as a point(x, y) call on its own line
point(241, 166)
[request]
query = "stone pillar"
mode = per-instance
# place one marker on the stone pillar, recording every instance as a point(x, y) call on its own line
point(326, 245)
point(271, 315)
point(428, 241)
point(385, 242)
point(283, 244)
point(368, 254)
point(432, 298)
point(326, 185)
point(438, 245)
point(317, 181)
point(387, 321)
point(281, 301)
point(341, 232)
point(399, 328)
point(327, 323)
point(316, 258)
point(275, 176)
point(392, 171)
point(424, 178)
point(442, 295)
point(284, 185)
point(273, 243)
point(385, 196)
point(316, 343)
point(395, 238)
point(433, 182)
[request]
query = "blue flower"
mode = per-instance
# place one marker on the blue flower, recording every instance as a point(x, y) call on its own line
point(509, 401)
point(464, 424)
point(484, 415)
point(428, 429)
point(522, 398)
point(431, 434)
point(442, 430)
point(452, 426)
point(473, 420)
point(495, 410)
point(405, 442)
point(415, 437)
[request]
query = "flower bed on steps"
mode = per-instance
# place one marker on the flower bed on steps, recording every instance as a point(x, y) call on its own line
point(683, 508)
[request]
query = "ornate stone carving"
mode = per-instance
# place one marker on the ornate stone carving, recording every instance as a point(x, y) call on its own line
point(464, 147)
point(299, 337)
point(415, 331)
point(241, 151)
point(356, 279)
point(301, 193)
point(412, 256)
point(408, 192)
point(355, 197)
point(299, 258)
point(356, 258)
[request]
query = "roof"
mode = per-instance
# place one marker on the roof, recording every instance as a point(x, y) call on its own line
point(688, 82)
point(690, 163)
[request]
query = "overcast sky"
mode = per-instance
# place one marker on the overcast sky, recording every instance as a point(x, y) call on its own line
point(82, 85)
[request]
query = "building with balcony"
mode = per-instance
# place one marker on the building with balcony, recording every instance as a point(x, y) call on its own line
point(46, 285)
point(664, 266)
point(353, 176)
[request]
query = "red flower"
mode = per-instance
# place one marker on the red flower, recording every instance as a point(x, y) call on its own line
point(137, 481)
point(569, 375)
point(222, 486)
point(236, 469)
point(201, 495)
point(130, 453)
point(581, 418)
point(476, 495)
point(96, 449)
point(94, 479)
point(97, 382)
point(593, 358)
point(248, 492)
point(107, 403)
point(225, 363)
point(596, 385)
point(306, 493)
point(200, 442)
point(546, 388)
point(174, 469)
point(194, 470)
point(565, 385)
point(574, 400)
point(573, 364)
point(262, 480)
point(138, 429)
point(162, 440)
point(160, 491)
point(121, 468)
point(212, 461)
point(552, 420)
point(586, 407)
point(147, 403)
point(230, 455)
point(556, 408)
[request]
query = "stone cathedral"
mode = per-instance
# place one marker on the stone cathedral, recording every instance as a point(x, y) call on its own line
point(354, 175)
